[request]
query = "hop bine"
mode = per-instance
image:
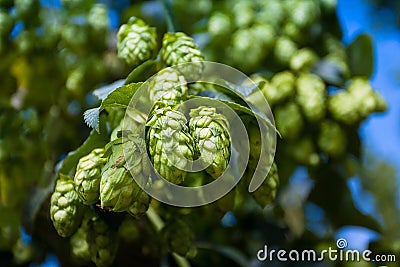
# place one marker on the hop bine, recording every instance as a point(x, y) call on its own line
point(137, 42)
point(88, 175)
point(178, 48)
point(65, 207)
point(170, 144)
point(209, 129)
point(118, 189)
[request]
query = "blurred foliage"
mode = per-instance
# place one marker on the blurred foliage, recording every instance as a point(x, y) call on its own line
point(53, 57)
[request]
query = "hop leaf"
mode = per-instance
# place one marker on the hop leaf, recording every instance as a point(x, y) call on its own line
point(163, 87)
point(103, 242)
point(170, 144)
point(137, 42)
point(178, 236)
point(65, 208)
point(118, 189)
point(210, 131)
point(88, 175)
point(178, 48)
point(266, 193)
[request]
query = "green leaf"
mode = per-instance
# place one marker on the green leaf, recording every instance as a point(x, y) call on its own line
point(332, 194)
point(120, 97)
point(95, 140)
point(361, 57)
point(102, 92)
point(91, 117)
point(142, 72)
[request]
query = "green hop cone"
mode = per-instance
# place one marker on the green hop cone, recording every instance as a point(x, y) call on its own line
point(210, 130)
point(303, 151)
point(170, 144)
point(103, 242)
point(289, 120)
point(177, 236)
point(80, 248)
point(137, 42)
point(332, 139)
point(343, 108)
point(303, 13)
point(88, 175)
point(266, 193)
point(168, 86)
point(303, 59)
point(118, 189)
point(284, 50)
point(65, 207)
point(178, 48)
point(311, 93)
point(140, 206)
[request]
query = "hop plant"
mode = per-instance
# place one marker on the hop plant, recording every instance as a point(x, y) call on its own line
point(178, 236)
point(168, 86)
point(103, 242)
point(65, 207)
point(311, 96)
point(304, 151)
point(170, 144)
point(209, 129)
point(266, 193)
point(88, 175)
point(178, 48)
point(118, 189)
point(137, 42)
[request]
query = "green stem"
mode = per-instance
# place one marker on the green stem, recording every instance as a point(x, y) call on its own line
point(158, 225)
point(169, 16)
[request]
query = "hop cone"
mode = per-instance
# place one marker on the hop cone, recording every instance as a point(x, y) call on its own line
point(289, 120)
point(137, 42)
point(332, 139)
point(164, 87)
point(103, 242)
point(210, 131)
point(311, 96)
point(65, 208)
point(280, 88)
point(303, 151)
point(88, 175)
point(118, 189)
point(266, 193)
point(178, 48)
point(80, 248)
point(178, 236)
point(170, 144)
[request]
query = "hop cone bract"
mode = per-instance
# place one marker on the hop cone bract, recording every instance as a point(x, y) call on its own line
point(65, 207)
point(88, 175)
point(137, 42)
point(210, 131)
point(170, 144)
